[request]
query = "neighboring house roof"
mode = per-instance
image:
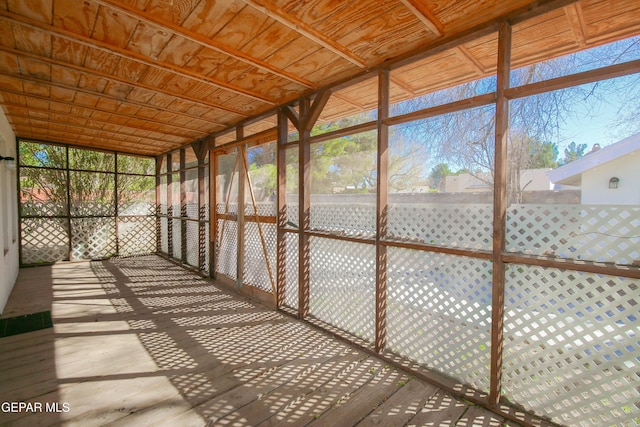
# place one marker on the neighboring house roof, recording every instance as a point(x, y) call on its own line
point(571, 173)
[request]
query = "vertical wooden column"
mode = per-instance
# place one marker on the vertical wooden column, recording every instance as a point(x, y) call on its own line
point(381, 210)
point(170, 206)
point(281, 219)
point(499, 211)
point(115, 204)
point(242, 173)
point(158, 209)
point(70, 231)
point(183, 207)
point(304, 209)
point(213, 208)
point(200, 148)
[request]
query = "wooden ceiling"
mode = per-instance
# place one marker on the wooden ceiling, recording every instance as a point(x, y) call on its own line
point(149, 76)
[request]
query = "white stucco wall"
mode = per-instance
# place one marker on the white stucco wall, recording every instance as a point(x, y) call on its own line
point(595, 182)
point(8, 214)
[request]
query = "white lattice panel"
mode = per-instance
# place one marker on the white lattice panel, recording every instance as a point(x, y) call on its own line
point(164, 235)
point(291, 282)
point(462, 225)
point(137, 208)
point(44, 240)
point(255, 267)
point(227, 250)
point(263, 208)
point(594, 233)
point(347, 219)
point(193, 211)
point(342, 285)
point(572, 346)
point(93, 238)
point(207, 262)
point(30, 208)
point(177, 239)
point(439, 312)
point(193, 243)
point(85, 208)
point(137, 235)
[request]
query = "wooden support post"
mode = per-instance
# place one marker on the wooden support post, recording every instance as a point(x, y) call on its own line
point(241, 199)
point(213, 209)
point(201, 153)
point(381, 210)
point(183, 207)
point(115, 202)
point(499, 211)
point(158, 209)
point(69, 228)
point(281, 219)
point(169, 205)
point(304, 211)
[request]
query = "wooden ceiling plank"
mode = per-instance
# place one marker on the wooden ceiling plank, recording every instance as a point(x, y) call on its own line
point(124, 53)
point(188, 117)
point(425, 15)
point(577, 24)
point(468, 57)
point(117, 79)
point(306, 30)
point(204, 41)
point(113, 135)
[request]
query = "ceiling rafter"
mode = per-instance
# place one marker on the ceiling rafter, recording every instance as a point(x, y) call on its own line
point(113, 135)
point(463, 52)
point(578, 26)
point(117, 79)
point(205, 42)
point(110, 97)
point(305, 30)
point(94, 119)
point(425, 15)
point(129, 55)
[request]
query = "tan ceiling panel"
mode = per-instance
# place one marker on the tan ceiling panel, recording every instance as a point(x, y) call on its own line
point(209, 17)
point(149, 40)
point(94, 83)
point(244, 27)
point(9, 63)
point(61, 94)
point(67, 51)
point(272, 39)
point(603, 18)
point(36, 89)
point(11, 83)
point(75, 16)
point(31, 40)
point(40, 10)
point(207, 61)
point(179, 51)
point(533, 41)
point(68, 77)
point(32, 68)
point(113, 27)
point(130, 70)
point(101, 61)
point(6, 36)
point(117, 90)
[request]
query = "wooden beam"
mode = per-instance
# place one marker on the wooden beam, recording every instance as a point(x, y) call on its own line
point(631, 272)
point(425, 15)
point(116, 79)
point(93, 122)
point(314, 112)
point(102, 95)
point(305, 30)
point(464, 104)
point(292, 115)
point(463, 52)
point(363, 127)
point(205, 41)
point(128, 54)
point(170, 213)
point(576, 20)
point(281, 208)
point(472, 253)
point(585, 77)
point(113, 135)
point(499, 212)
point(241, 206)
point(183, 206)
point(213, 208)
point(382, 210)
point(304, 211)
point(200, 148)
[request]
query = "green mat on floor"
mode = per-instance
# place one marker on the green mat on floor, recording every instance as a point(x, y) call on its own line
point(27, 323)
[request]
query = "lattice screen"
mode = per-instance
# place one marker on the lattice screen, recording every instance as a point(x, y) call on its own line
point(164, 235)
point(572, 345)
point(44, 240)
point(462, 225)
point(93, 238)
point(595, 233)
point(176, 238)
point(291, 282)
point(227, 256)
point(342, 285)
point(193, 243)
point(137, 235)
point(255, 267)
point(355, 219)
point(439, 312)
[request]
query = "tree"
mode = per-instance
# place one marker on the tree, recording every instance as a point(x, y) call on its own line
point(573, 152)
point(438, 175)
